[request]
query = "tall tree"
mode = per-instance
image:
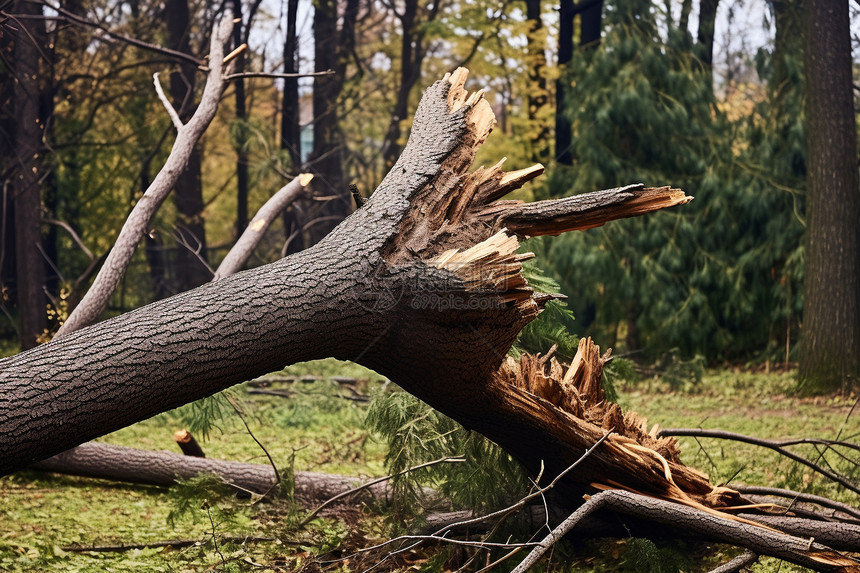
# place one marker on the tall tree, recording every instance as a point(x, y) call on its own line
point(831, 310)
point(290, 126)
point(705, 35)
point(538, 94)
point(413, 20)
point(240, 36)
point(190, 271)
point(28, 38)
point(333, 46)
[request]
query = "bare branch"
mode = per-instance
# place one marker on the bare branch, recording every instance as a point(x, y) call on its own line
point(73, 18)
point(258, 225)
point(798, 496)
point(326, 503)
point(75, 237)
point(95, 301)
point(759, 539)
point(171, 111)
point(775, 445)
point(277, 75)
point(738, 563)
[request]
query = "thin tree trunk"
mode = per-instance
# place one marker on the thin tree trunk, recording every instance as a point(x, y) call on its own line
point(830, 358)
point(188, 191)
point(290, 127)
point(241, 118)
point(118, 463)
point(332, 48)
point(705, 35)
point(28, 173)
point(563, 133)
point(538, 94)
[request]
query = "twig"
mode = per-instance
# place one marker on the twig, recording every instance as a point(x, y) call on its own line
point(744, 560)
point(171, 111)
point(799, 496)
point(75, 237)
point(177, 543)
point(214, 539)
point(241, 415)
point(500, 513)
point(776, 445)
point(75, 19)
point(326, 503)
point(277, 75)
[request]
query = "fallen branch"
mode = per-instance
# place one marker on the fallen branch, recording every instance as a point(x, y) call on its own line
point(775, 445)
point(119, 463)
point(764, 541)
point(258, 225)
point(174, 543)
point(799, 496)
point(737, 564)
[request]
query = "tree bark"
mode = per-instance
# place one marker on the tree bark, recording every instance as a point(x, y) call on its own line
point(830, 359)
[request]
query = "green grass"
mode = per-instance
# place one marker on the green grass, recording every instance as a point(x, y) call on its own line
point(316, 430)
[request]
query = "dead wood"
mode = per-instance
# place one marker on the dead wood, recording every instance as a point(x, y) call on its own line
point(119, 463)
point(188, 444)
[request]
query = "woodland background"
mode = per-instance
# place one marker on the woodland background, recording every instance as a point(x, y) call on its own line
point(706, 95)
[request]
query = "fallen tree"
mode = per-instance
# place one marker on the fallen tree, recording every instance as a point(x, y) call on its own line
point(423, 284)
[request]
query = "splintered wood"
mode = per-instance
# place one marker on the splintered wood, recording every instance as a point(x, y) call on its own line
point(573, 400)
point(492, 265)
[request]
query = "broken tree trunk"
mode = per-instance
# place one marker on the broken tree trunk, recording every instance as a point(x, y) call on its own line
point(423, 284)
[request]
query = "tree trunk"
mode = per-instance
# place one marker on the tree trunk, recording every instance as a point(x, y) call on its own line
point(118, 463)
point(705, 35)
point(411, 59)
point(538, 94)
point(190, 271)
point(290, 128)
point(386, 271)
point(333, 46)
point(563, 134)
point(27, 177)
point(830, 357)
point(241, 118)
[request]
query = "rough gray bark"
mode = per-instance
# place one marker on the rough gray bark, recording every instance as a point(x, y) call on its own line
point(800, 550)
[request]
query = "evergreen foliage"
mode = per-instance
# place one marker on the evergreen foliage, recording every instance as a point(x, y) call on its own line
point(415, 433)
point(717, 277)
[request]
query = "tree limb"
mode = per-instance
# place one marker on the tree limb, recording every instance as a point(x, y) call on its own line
point(95, 301)
point(775, 445)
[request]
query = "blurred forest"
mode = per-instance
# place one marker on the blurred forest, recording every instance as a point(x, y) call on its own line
point(706, 95)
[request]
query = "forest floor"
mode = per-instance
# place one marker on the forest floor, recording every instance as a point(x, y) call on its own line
point(44, 517)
